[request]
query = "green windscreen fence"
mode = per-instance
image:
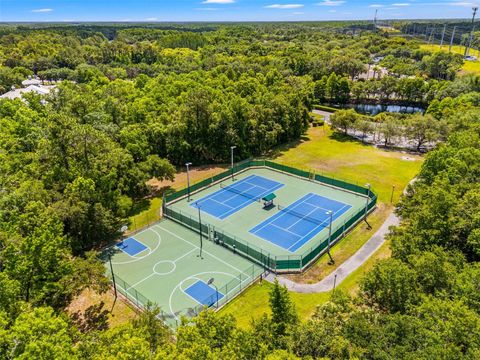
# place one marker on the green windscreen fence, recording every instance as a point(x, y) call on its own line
point(274, 263)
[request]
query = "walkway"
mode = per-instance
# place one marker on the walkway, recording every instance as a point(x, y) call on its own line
point(326, 115)
point(349, 266)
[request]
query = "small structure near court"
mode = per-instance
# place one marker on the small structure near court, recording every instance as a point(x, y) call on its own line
point(268, 201)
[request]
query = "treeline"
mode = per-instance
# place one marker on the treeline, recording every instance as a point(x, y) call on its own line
point(57, 54)
point(335, 89)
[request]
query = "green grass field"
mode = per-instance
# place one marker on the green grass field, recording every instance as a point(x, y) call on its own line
point(253, 303)
point(468, 66)
point(345, 158)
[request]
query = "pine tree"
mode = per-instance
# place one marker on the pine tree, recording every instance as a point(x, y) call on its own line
point(284, 314)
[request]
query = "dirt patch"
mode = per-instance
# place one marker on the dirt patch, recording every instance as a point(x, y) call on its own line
point(408, 158)
point(121, 313)
point(196, 174)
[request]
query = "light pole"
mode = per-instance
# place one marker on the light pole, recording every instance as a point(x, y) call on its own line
point(469, 41)
point(210, 282)
point(200, 230)
point(231, 158)
point(330, 213)
point(369, 187)
point(188, 179)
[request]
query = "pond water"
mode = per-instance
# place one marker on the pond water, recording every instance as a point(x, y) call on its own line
point(369, 109)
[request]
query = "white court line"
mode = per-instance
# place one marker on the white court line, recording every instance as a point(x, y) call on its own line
point(154, 273)
point(205, 251)
point(144, 256)
point(212, 195)
point(221, 203)
point(316, 228)
point(282, 214)
point(249, 200)
point(235, 193)
point(194, 276)
point(318, 207)
point(134, 256)
point(283, 229)
point(304, 217)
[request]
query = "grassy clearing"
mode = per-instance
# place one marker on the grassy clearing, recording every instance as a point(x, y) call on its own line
point(468, 66)
point(345, 158)
point(254, 302)
point(145, 212)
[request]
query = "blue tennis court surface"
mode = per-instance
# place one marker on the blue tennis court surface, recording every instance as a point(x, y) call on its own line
point(131, 246)
point(203, 293)
point(236, 196)
point(293, 226)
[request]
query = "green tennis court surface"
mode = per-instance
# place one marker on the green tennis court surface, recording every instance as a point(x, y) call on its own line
point(279, 233)
point(170, 273)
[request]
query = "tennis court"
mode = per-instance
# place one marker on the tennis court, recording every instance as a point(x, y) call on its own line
point(162, 265)
point(294, 228)
point(234, 197)
point(296, 224)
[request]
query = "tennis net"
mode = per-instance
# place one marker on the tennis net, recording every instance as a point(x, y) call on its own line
point(301, 216)
point(239, 192)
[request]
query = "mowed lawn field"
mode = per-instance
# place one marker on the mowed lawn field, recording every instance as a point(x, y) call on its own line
point(468, 66)
point(340, 157)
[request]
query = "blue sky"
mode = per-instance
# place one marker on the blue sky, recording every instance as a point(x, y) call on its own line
point(229, 10)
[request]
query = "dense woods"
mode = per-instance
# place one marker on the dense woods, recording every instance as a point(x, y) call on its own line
point(132, 103)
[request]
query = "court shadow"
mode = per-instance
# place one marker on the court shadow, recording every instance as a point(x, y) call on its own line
point(269, 207)
point(139, 206)
point(279, 150)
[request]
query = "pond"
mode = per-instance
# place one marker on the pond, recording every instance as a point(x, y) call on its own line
point(369, 109)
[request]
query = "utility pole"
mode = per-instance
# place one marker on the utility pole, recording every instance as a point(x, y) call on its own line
point(432, 35)
point(443, 35)
point(467, 47)
point(375, 20)
point(451, 40)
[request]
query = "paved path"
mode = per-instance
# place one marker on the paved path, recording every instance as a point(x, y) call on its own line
point(349, 266)
point(326, 114)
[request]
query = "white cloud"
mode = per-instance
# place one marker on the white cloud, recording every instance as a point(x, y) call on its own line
point(284, 6)
point(218, 2)
point(151, 19)
point(206, 9)
point(462, 4)
point(376, 6)
point(401, 4)
point(331, 3)
point(42, 10)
